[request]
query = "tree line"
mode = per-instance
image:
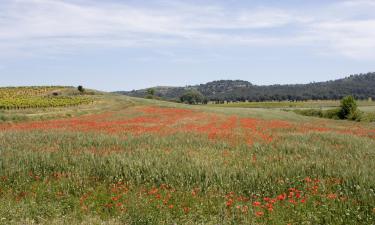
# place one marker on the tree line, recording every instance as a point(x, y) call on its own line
point(360, 86)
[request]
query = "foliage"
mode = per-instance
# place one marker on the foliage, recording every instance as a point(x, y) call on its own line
point(192, 97)
point(348, 108)
point(360, 86)
point(151, 91)
point(81, 89)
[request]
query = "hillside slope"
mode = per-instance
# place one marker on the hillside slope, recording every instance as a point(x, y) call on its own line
point(361, 86)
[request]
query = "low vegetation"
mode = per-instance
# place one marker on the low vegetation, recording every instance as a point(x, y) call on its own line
point(193, 97)
point(360, 86)
point(148, 162)
point(40, 97)
point(348, 111)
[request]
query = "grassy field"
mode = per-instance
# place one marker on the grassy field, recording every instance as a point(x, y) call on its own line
point(124, 160)
point(368, 105)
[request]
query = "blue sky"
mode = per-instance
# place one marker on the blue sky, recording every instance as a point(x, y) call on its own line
point(124, 45)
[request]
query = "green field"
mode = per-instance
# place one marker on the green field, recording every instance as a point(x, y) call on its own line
point(125, 160)
point(40, 97)
point(299, 104)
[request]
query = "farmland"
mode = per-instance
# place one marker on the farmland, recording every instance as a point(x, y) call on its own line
point(293, 104)
point(125, 160)
point(39, 97)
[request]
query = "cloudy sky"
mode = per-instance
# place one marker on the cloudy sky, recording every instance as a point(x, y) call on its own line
point(131, 44)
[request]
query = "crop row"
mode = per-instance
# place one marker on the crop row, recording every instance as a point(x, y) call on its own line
point(16, 92)
point(41, 102)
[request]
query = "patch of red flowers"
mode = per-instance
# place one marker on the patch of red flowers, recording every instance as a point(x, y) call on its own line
point(168, 121)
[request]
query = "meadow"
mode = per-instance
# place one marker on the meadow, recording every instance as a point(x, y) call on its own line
point(363, 104)
point(123, 160)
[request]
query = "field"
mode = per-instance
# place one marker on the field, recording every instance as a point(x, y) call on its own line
point(39, 97)
point(367, 105)
point(125, 160)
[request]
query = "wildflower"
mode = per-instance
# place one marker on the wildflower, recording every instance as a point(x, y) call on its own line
point(332, 196)
point(281, 197)
point(229, 203)
point(245, 208)
point(109, 205)
point(259, 214)
point(229, 195)
point(256, 204)
point(153, 191)
point(171, 206)
point(186, 209)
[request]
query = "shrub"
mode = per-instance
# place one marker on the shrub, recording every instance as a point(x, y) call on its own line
point(150, 91)
point(81, 89)
point(368, 117)
point(192, 97)
point(348, 108)
point(310, 112)
point(331, 114)
point(356, 115)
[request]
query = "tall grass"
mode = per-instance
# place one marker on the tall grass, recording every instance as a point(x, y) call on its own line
point(46, 175)
point(69, 177)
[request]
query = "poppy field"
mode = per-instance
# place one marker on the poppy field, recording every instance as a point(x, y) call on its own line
point(151, 162)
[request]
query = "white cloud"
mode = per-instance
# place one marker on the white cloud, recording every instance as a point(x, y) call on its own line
point(355, 39)
point(55, 26)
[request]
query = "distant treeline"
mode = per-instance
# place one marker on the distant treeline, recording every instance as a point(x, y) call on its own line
point(361, 86)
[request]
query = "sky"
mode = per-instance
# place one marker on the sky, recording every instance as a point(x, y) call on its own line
point(131, 44)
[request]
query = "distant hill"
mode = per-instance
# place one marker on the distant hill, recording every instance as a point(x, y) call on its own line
point(361, 86)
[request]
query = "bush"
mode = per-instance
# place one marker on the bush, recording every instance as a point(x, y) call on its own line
point(81, 89)
point(348, 108)
point(150, 92)
point(356, 115)
point(192, 97)
point(348, 111)
point(332, 114)
point(368, 117)
point(310, 112)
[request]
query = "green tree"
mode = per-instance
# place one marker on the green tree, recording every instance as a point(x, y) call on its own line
point(349, 109)
point(192, 97)
point(151, 91)
point(81, 89)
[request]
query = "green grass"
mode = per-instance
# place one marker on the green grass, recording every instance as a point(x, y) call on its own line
point(73, 177)
point(287, 104)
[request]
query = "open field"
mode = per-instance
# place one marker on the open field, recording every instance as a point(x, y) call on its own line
point(40, 97)
point(125, 160)
point(368, 105)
